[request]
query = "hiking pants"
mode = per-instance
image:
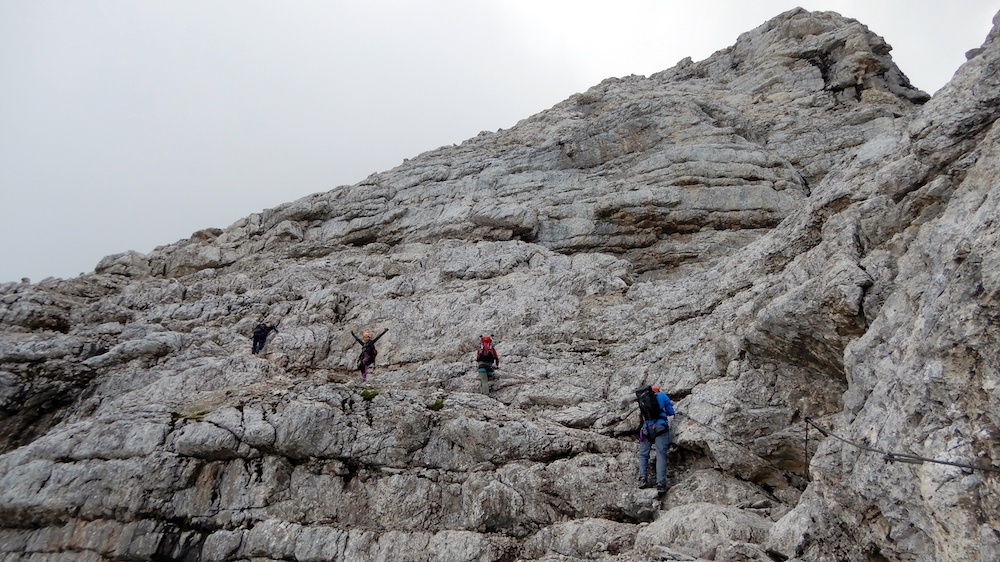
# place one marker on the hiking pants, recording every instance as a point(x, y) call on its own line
point(484, 380)
point(258, 344)
point(363, 363)
point(662, 444)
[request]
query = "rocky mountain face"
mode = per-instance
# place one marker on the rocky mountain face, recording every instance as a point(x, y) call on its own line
point(785, 236)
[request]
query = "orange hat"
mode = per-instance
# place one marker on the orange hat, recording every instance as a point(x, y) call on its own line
point(366, 334)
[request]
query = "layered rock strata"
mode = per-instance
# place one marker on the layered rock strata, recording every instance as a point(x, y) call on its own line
point(785, 231)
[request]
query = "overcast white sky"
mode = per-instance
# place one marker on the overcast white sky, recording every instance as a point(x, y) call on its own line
point(125, 125)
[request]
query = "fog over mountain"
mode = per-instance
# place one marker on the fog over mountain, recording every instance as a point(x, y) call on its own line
point(125, 126)
point(788, 237)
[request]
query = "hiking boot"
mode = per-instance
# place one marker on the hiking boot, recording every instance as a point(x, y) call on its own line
point(661, 488)
point(644, 484)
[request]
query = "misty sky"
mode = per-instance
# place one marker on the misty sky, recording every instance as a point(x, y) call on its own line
point(125, 125)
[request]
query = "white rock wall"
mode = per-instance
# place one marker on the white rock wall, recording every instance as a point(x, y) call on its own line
point(778, 232)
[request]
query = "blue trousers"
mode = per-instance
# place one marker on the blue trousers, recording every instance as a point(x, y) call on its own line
point(662, 444)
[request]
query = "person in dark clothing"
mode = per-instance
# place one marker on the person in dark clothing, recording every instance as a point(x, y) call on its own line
point(260, 333)
point(487, 360)
point(368, 351)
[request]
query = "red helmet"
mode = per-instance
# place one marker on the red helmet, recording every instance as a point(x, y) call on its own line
point(487, 340)
point(656, 389)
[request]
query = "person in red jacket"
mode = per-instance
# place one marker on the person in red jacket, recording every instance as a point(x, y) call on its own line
point(487, 360)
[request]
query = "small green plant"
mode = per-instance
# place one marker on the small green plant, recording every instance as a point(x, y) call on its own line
point(369, 393)
point(197, 415)
point(436, 405)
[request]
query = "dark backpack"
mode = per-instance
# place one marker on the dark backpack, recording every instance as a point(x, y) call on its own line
point(485, 355)
point(649, 406)
point(259, 330)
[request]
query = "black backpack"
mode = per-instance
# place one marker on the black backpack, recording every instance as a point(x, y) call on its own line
point(649, 406)
point(485, 355)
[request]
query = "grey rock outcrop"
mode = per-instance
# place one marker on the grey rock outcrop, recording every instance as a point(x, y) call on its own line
point(786, 232)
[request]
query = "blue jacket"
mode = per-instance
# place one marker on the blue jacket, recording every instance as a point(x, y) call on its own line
point(666, 409)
